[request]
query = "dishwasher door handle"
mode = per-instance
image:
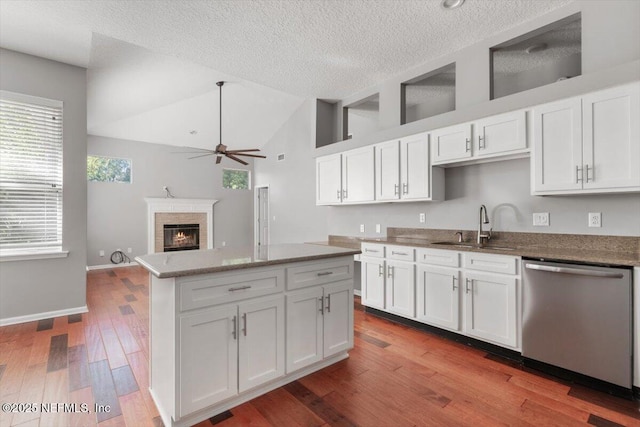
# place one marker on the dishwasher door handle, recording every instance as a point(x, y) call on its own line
point(577, 271)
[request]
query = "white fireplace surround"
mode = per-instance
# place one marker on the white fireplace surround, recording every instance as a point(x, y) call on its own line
point(168, 205)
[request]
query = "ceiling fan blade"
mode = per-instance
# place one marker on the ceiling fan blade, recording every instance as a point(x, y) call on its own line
point(242, 151)
point(193, 152)
point(248, 155)
point(202, 155)
point(218, 159)
point(232, 157)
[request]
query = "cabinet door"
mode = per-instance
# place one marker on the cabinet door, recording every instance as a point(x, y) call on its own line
point(557, 146)
point(304, 328)
point(452, 143)
point(400, 289)
point(338, 317)
point(372, 279)
point(260, 341)
point(415, 167)
point(490, 307)
point(358, 175)
point(387, 170)
point(208, 360)
point(438, 296)
point(611, 138)
point(501, 134)
point(328, 180)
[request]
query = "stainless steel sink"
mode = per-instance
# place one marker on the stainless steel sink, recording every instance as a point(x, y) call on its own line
point(474, 246)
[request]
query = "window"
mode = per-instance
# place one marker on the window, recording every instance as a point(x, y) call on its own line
point(108, 169)
point(30, 172)
point(236, 179)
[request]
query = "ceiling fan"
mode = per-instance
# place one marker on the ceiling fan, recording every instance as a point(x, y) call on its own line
point(221, 149)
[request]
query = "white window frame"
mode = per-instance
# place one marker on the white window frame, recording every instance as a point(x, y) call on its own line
point(115, 158)
point(241, 170)
point(45, 251)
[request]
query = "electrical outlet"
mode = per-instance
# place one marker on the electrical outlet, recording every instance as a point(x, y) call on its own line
point(423, 218)
point(377, 228)
point(129, 250)
point(595, 219)
point(101, 253)
point(362, 228)
point(224, 243)
point(541, 219)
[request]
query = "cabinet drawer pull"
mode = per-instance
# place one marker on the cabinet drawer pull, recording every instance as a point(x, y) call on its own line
point(395, 189)
point(467, 286)
point(244, 318)
point(380, 270)
point(234, 333)
point(321, 299)
point(345, 195)
point(375, 251)
point(240, 288)
point(578, 169)
point(399, 253)
point(405, 188)
point(592, 170)
point(325, 273)
point(481, 142)
point(453, 282)
point(338, 194)
point(389, 271)
point(467, 145)
point(329, 303)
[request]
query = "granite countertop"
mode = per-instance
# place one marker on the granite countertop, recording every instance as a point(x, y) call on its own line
point(612, 250)
point(186, 263)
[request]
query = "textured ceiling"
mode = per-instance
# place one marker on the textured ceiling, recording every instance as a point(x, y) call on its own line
point(154, 62)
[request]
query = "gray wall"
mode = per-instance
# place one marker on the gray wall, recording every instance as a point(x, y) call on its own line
point(501, 185)
point(118, 212)
point(292, 181)
point(37, 286)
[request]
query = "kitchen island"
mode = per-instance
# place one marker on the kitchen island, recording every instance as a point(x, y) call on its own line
point(230, 324)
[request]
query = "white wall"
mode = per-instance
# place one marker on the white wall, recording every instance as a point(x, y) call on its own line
point(292, 181)
point(118, 212)
point(40, 286)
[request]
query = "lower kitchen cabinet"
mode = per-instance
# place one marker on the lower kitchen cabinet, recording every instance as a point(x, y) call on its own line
point(372, 279)
point(239, 347)
point(490, 307)
point(438, 296)
point(400, 288)
point(319, 323)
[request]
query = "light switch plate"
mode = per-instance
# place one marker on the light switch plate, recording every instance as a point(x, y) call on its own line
point(595, 219)
point(377, 228)
point(423, 218)
point(362, 228)
point(541, 219)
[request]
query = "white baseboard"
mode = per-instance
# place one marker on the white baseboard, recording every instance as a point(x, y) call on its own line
point(357, 292)
point(107, 266)
point(39, 316)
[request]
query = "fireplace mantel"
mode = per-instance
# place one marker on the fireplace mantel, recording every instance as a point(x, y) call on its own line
point(168, 205)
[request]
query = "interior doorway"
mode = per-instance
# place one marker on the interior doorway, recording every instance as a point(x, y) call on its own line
point(262, 215)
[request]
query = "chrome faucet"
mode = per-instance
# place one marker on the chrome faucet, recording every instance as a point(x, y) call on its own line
point(483, 237)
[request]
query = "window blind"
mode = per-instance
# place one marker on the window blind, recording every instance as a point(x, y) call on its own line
point(30, 172)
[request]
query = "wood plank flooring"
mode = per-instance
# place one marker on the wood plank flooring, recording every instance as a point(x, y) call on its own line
point(395, 376)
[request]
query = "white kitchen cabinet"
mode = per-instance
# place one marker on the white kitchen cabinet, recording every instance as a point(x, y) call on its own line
point(239, 347)
point(451, 144)
point(490, 307)
point(503, 135)
point(372, 280)
point(500, 134)
point(438, 296)
point(345, 177)
point(319, 323)
point(588, 144)
point(400, 288)
point(329, 180)
point(358, 175)
point(387, 170)
point(208, 375)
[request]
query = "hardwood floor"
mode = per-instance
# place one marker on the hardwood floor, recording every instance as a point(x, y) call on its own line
point(395, 376)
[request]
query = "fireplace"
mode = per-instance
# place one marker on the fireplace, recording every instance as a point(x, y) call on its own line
point(181, 237)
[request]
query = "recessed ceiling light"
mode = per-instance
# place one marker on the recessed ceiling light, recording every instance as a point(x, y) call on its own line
point(193, 132)
point(451, 4)
point(538, 47)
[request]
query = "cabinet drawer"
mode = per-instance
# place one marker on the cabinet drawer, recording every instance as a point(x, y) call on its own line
point(438, 257)
point(401, 253)
point(215, 289)
point(372, 250)
point(490, 262)
point(318, 273)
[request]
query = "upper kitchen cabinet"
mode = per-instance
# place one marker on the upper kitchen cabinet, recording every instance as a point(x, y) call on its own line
point(403, 171)
point(345, 178)
point(495, 136)
point(589, 144)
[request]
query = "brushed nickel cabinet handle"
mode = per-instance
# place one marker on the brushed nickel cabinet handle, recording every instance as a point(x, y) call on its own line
point(338, 194)
point(240, 288)
point(244, 318)
point(399, 253)
point(395, 189)
point(380, 270)
point(481, 142)
point(325, 273)
point(592, 170)
point(329, 303)
point(578, 169)
point(389, 271)
point(234, 333)
point(321, 299)
point(467, 286)
point(453, 282)
point(405, 188)
point(467, 145)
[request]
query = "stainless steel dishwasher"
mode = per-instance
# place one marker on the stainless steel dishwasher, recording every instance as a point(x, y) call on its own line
point(579, 317)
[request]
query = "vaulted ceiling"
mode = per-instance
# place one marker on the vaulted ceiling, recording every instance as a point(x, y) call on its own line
point(153, 64)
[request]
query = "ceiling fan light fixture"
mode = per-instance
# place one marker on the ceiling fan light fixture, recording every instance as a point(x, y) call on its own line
point(451, 4)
